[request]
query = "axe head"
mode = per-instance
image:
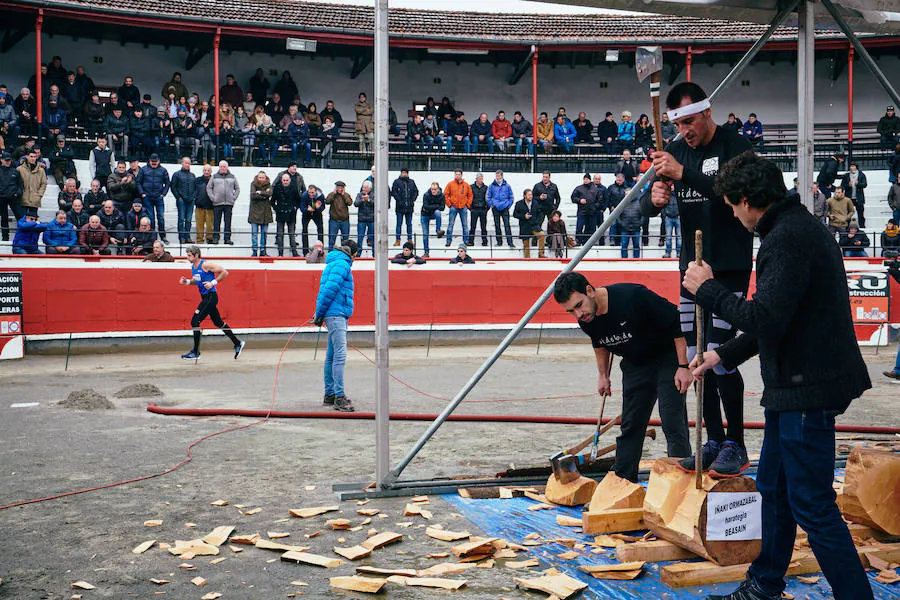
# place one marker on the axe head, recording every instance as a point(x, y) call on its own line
point(648, 60)
point(565, 467)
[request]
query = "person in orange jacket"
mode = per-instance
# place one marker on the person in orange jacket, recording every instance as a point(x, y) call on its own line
point(458, 196)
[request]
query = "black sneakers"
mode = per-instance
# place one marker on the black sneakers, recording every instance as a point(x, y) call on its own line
point(710, 452)
point(731, 461)
point(748, 590)
point(238, 348)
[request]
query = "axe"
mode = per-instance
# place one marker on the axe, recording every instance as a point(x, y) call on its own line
point(648, 61)
point(566, 466)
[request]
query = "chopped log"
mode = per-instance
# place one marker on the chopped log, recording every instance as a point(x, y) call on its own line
point(675, 510)
point(574, 493)
point(381, 539)
point(872, 489)
point(353, 552)
point(614, 492)
point(655, 551)
point(355, 583)
point(311, 559)
point(560, 585)
point(219, 535)
point(615, 520)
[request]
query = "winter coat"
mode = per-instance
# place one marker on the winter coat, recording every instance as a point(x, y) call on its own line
point(500, 196)
point(27, 235)
point(116, 126)
point(528, 227)
point(626, 131)
point(849, 243)
point(285, 201)
point(668, 130)
point(366, 213)
point(93, 239)
point(34, 184)
point(840, 211)
point(458, 195)
point(479, 128)
point(564, 133)
point(298, 132)
point(260, 203)
point(306, 202)
point(60, 235)
point(201, 196)
point(551, 202)
point(828, 173)
point(670, 210)
point(335, 297)
point(630, 219)
point(139, 126)
point(593, 196)
point(78, 220)
point(183, 185)
point(8, 113)
point(584, 130)
point(556, 227)
point(890, 241)
point(153, 183)
point(798, 311)
point(65, 199)
point(101, 163)
point(861, 184)
point(432, 202)
point(364, 121)
point(460, 127)
point(545, 131)
point(223, 190)
point(501, 129)
point(62, 158)
point(819, 207)
point(752, 130)
point(479, 198)
point(413, 129)
point(113, 220)
point(55, 118)
point(335, 116)
point(889, 126)
point(607, 129)
point(522, 128)
point(643, 135)
point(133, 219)
point(404, 191)
point(176, 87)
point(10, 182)
point(121, 193)
point(340, 206)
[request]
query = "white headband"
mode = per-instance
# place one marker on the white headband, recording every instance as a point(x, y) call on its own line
point(690, 109)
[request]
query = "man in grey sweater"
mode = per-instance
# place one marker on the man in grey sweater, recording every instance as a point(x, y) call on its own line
point(223, 190)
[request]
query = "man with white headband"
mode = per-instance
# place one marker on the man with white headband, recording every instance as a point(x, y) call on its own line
point(691, 164)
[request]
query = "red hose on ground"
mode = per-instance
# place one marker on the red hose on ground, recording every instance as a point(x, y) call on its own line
point(545, 419)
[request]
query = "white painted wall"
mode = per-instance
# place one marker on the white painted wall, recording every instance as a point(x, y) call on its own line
point(771, 93)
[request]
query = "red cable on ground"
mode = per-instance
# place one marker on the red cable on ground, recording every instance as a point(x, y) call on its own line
point(264, 414)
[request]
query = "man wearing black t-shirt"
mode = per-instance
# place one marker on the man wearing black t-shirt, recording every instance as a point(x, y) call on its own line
point(691, 164)
point(642, 328)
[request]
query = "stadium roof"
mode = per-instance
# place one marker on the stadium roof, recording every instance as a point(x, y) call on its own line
point(433, 28)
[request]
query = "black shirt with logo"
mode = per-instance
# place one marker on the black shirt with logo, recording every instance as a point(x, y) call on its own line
point(639, 325)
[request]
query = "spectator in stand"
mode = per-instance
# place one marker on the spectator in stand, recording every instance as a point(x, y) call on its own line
point(226, 114)
point(93, 238)
point(84, 81)
point(266, 135)
point(479, 209)
point(893, 199)
point(829, 173)
point(276, 108)
point(628, 167)
point(794, 193)
point(584, 129)
point(133, 217)
point(203, 206)
point(250, 105)
point(74, 94)
point(313, 119)
point(113, 222)
point(393, 127)
point(531, 216)
point(630, 222)
point(206, 138)
point(840, 211)
point(523, 133)
point(139, 138)
point(893, 164)
point(223, 191)
point(56, 72)
point(587, 198)
point(55, 119)
point(733, 124)
point(28, 230)
point(10, 193)
point(331, 111)
point(101, 161)
point(433, 204)
point(116, 127)
point(404, 192)
point(259, 87)
point(68, 194)
point(365, 124)
point(888, 128)
point(408, 256)
point(820, 208)
point(643, 134)
point(608, 133)
point(175, 87)
point(339, 202)
point(184, 131)
point(78, 217)
point(430, 109)
point(296, 178)
point(672, 224)
point(230, 92)
point(556, 231)
point(122, 186)
point(853, 242)
point(462, 256)
point(9, 123)
point(62, 162)
point(753, 131)
point(626, 132)
point(434, 140)
point(458, 134)
point(246, 126)
point(890, 237)
point(287, 119)
point(153, 185)
point(458, 195)
point(60, 236)
point(312, 205)
point(365, 217)
point(316, 255)
point(667, 129)
point(602, 202)
point(854, 183)
point(561, 112)
point(26, 111)
point(134, 166)
point(260, 214)
point(43, 162)
point(183, 182)
point(501, 131)
point(129, 94)
point(140, 242)
point(480, 133)
point(159, 253)
point(564, 134)
point(446, 114)
point(298, 136)
point(94, 198)
point(18, 156)
point(545, 132)
point(172, 103)
point(286, 88)
point(330, 134)
point(415, 134)
point(547, 194)
point(614, 195)
point(34, 181)
point(160, 131)
point(500, 199)
point(114, 103)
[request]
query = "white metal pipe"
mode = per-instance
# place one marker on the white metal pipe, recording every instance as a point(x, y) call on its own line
point(805, 102)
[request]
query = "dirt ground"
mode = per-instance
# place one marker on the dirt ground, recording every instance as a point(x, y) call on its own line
point(49, 448)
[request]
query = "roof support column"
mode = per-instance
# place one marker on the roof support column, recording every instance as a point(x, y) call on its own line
point(217, 40)
point(806, 46)
point(851, 54)
point(688, 62)
point(534, 97)
point(38, 94)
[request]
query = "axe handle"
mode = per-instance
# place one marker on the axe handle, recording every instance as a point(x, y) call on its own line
point(700, 316)
point(597, 433)
point(588, 440)
point(607, 449)
point(654, 103)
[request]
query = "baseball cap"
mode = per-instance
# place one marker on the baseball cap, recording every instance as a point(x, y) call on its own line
point(890, 107)
point(5, 156)
point(340, 184)
point(154, 156)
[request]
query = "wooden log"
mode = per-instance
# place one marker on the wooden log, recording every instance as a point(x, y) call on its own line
point(655, 551)
point(614, 492)
point(574, 493)
point(616, 520)
point(871, 493)
point(675, 510)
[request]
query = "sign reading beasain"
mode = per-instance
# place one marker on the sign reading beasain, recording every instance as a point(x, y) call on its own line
point(733, 516)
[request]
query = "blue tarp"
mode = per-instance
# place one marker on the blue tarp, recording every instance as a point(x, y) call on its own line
point(512, 520)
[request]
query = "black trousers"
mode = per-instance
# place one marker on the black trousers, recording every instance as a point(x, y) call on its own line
point(315, 217)
point(209, 307)
point(9, 204)
point(641, 386)
point(291, 227)
point(479, 215)
point(220, 213)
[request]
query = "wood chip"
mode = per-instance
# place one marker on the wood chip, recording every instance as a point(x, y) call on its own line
point(606, 541)
point(190, 525)
point(541, 507)
point(298, 582)
point(523, 564)
point(198, 581)
point(413, 510)
point(887, 577)
point(277, 535)
point(486, 564)
point(310, 536)
point(557, 584)
point(382, 539)
point(246, 540)
point(532, 536)
point(355, 583)
point(475, 546)
point(219, 535)
point(420, 499)
point(372, 532)
point(808, 580)
point(878, 563)
point(311, 559)
point(506, 553)
point(187, 566)
point(188, 549)
point(235, 549)
point(438, 555)
point(566, 521)
point(270, 545)
point(211, 596)
point(309, 488)
point(153, 523)
point(216, 561)
point(363, 502)
point(159, 581)
point(306, 513)
point(429, 582)
point(143, 547)
point(619, 571)
point(368, 512)
point(505, 493)
point(445, 535)
point(379, 571)
point(338, 524)
point(446, 569)
point(571, 554)
point(353, 552)
point(253, 511)
point(220, 503)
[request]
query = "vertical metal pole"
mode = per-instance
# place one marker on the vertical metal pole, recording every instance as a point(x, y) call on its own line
point(805, 106)
point(382, 391)
point(217, 40)
point(68, 351)
point(428, 344)
point(688, 62)
point(534, 95)
point(38, 94)
point(850, 58)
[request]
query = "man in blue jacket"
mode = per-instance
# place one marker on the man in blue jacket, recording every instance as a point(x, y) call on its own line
point(753, 131)
point(60, 236)
point(564, 133)
point(153, 185)
point(27, 234)
point(334, 305)
point(500, 200)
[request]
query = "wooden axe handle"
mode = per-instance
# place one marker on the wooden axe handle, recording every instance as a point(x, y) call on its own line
point(587, 441)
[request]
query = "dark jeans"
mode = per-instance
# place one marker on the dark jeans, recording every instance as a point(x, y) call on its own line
point(315, 217)
point(6, 205)
point(504, 215)
point(185, 216)
point(796, 471)
point(585, 225)
point(292, 235)
point(220, 213)
point(156, 208)
point(860, 213)
point(479, 215)
point(641, 386)
point(409, 230)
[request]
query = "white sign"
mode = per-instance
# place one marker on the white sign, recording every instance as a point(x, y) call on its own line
point(733, 516)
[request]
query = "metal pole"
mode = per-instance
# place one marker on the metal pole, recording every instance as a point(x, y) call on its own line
point(688, 62)
point(534, 96)
point(382, 390)
point(805, 88)
point(68, 351)
point(37, 94)
point(582, 252)
point(217, 40)
point(850, 58)
point(861, 50)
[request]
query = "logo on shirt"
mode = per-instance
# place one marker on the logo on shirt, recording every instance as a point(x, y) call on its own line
point(615, 339)
point(711, 166)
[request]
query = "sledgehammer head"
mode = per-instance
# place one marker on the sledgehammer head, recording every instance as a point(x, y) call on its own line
point(565, 467)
